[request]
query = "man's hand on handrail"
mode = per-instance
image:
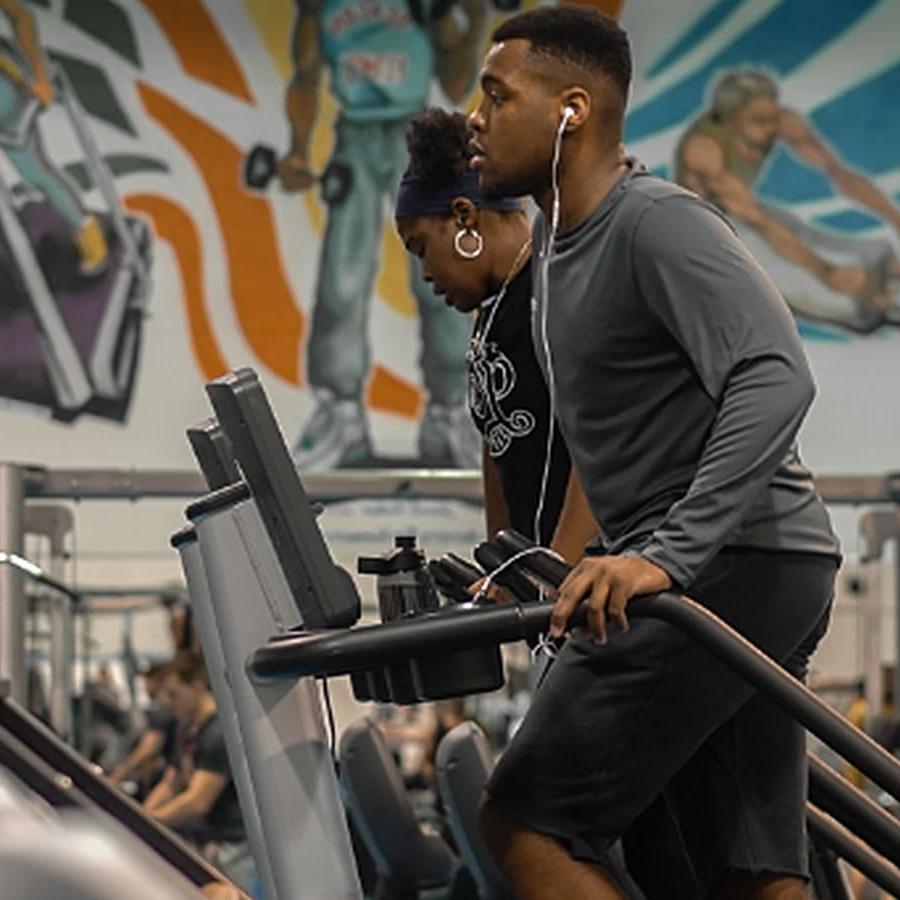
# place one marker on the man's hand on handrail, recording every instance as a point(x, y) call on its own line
point(606, 583)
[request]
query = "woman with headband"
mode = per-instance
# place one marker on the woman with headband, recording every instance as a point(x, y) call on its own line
point(476, 252)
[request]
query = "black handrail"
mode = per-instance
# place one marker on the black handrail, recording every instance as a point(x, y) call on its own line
point(767, 676)
point(861, 814)
point(463, 627)
point(827, 789)
point(344, 651)
point(843, 842)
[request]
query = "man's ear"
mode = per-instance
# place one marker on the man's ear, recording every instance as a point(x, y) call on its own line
point(465, 213)
point(578, 102)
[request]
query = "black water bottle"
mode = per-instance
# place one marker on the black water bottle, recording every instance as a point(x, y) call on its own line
point(405, 584)
point(405, 588)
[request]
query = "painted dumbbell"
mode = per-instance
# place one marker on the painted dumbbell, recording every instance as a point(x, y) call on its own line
point(261, 165)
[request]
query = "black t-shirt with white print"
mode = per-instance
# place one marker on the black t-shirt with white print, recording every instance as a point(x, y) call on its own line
point(510, 406)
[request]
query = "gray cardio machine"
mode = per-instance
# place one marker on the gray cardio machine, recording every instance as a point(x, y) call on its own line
point(409, 861)
point(242, 592)
point(45, 853)
point(275, 734)
point(283, 613)
point(67, 831)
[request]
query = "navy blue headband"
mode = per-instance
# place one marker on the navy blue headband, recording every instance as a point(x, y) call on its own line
point(417, 199)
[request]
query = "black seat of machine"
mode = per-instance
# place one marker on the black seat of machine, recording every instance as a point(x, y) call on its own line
point(405, 856)
point(464, 762)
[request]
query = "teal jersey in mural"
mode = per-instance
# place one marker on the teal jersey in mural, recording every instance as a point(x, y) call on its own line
point(379, 57)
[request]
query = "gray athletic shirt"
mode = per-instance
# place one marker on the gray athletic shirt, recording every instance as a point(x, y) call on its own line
point(680, 381)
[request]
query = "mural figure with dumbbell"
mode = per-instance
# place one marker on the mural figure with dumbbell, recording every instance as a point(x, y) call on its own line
point(381, 56)
point(261, 168)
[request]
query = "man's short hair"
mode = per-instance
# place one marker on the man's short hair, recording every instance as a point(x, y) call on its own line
point(736, 89)
point(188, 667)
point(575, 35)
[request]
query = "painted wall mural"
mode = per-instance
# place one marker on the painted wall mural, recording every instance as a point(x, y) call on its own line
point(75, 273)
point(259, 144)
point(380, 57)
point(784, 114)
point(189, 187)
point(798, 178)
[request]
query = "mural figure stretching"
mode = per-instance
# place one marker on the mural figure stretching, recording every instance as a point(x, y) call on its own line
point(854, 283)
point(380, 56)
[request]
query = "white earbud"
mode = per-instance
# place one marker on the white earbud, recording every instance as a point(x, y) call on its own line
point(568, 112)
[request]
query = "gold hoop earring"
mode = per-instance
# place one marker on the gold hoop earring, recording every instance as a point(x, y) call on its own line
point(458, 247)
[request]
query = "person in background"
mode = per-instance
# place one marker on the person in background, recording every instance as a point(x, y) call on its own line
point(409, 732)
point(156, 743)
point(196, 795)
point(450, 713)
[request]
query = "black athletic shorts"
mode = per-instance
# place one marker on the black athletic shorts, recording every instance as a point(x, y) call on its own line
point(651, 739)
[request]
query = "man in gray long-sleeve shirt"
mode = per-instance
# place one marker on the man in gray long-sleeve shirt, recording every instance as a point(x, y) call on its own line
point(680, 384)
point(681, 458)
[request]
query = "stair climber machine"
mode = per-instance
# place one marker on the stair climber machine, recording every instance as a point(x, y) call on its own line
point(276, 615)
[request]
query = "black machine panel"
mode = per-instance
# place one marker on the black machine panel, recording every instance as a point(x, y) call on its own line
point(213, 453)
point(325, 596)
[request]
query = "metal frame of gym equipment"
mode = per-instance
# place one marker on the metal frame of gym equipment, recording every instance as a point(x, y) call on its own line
point(63, 778)
point(55, 522)
point(20, 483)
point(64, 606)
point(73, 853)
point(107, 372)
point(266, 568)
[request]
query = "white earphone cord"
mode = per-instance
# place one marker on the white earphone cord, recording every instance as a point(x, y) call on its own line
point(545, 343)
point(544, 643)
